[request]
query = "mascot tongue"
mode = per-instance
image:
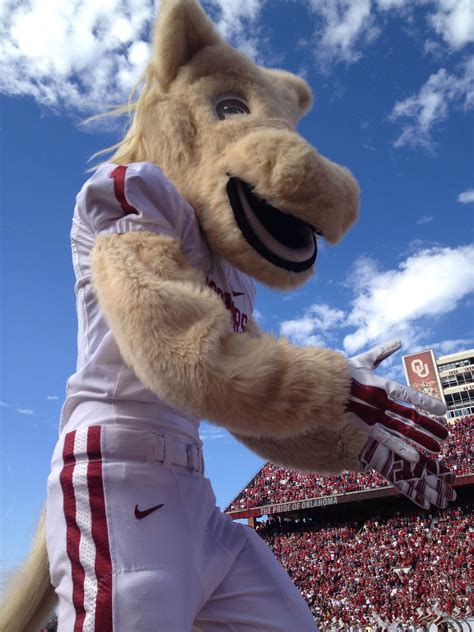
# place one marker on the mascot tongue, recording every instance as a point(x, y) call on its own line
point(278, 236)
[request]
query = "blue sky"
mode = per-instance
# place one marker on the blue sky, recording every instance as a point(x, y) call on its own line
point(394, 88)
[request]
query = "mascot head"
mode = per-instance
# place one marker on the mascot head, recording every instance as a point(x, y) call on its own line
point(223, 130)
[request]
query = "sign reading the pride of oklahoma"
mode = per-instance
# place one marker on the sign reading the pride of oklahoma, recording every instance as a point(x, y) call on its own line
point(421, 373)
point(298, 505)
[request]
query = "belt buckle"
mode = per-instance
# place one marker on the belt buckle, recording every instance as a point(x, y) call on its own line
point(160, 452)
point(192, 453)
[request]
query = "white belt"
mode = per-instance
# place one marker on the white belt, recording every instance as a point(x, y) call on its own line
point(130, 444)
point(171, 451)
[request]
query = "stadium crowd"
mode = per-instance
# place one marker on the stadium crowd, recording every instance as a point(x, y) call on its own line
point(402, 568)
point(274, 485)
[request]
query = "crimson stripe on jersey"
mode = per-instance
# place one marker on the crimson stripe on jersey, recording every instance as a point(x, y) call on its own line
point(103, 562)
point(73, 534)
point(118, 176)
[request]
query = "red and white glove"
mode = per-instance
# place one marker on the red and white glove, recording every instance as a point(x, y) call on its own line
point(425, 483)
point(397, 432)
point(374, 408)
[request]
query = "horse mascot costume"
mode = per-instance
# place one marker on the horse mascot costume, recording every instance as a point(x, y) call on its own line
point(210, 189)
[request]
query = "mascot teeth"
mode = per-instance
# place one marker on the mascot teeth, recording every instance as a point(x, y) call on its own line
point(278, 236)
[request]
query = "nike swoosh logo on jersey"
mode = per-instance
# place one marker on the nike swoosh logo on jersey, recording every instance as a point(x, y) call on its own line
point(146, 512)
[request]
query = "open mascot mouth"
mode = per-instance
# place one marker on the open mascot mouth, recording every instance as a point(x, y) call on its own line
point(282, 239)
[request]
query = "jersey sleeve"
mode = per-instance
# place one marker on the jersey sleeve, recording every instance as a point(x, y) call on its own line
point(138, 197)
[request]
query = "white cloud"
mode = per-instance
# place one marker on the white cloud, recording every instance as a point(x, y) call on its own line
point(325, 317)
point(259, 317)
point(19, 409)
point(345, 27)
point(386, 5)
point(80, 54)
point(431, 105)
point(212, 433)
point(52, 397)
point(434, 48)
point(85, 55)
point(238, 21)
point(301, 331)
point(453, 20)
point(426, 219)
point(390, 303)
point(313, 328)
point(466, 196)
point(26, 411)
point(451, 346)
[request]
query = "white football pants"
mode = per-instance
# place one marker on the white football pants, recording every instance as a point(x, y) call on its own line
point(136, 543)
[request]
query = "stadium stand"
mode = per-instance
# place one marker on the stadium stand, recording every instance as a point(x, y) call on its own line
point(385, 569)
point(273, 484)
point(363, 557)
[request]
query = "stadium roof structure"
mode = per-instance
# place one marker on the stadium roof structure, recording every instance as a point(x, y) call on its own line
point(313, 500)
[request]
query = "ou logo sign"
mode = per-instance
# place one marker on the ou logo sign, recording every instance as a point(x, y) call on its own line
point(420, 368)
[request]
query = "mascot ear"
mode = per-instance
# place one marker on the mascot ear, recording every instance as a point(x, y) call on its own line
point(182, 30)
point(305, 97)
point(297, 85)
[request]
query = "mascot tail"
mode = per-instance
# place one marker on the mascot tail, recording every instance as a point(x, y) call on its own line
point(30, 598)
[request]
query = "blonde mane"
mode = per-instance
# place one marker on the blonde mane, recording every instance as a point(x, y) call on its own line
point(129, 148)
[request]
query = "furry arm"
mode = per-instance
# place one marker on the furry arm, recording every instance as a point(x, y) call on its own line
point(326, 450)
point(173, 332)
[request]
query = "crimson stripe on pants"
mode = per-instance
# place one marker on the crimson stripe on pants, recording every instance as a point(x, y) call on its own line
point(73, 534)
point(103, 563)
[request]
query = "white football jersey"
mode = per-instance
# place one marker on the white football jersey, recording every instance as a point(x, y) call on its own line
point(119, 199)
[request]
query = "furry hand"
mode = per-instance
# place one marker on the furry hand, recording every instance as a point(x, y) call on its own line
point(425, 483)
point(373, 409)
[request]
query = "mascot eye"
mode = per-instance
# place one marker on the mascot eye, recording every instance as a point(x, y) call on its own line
point(230, 106)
